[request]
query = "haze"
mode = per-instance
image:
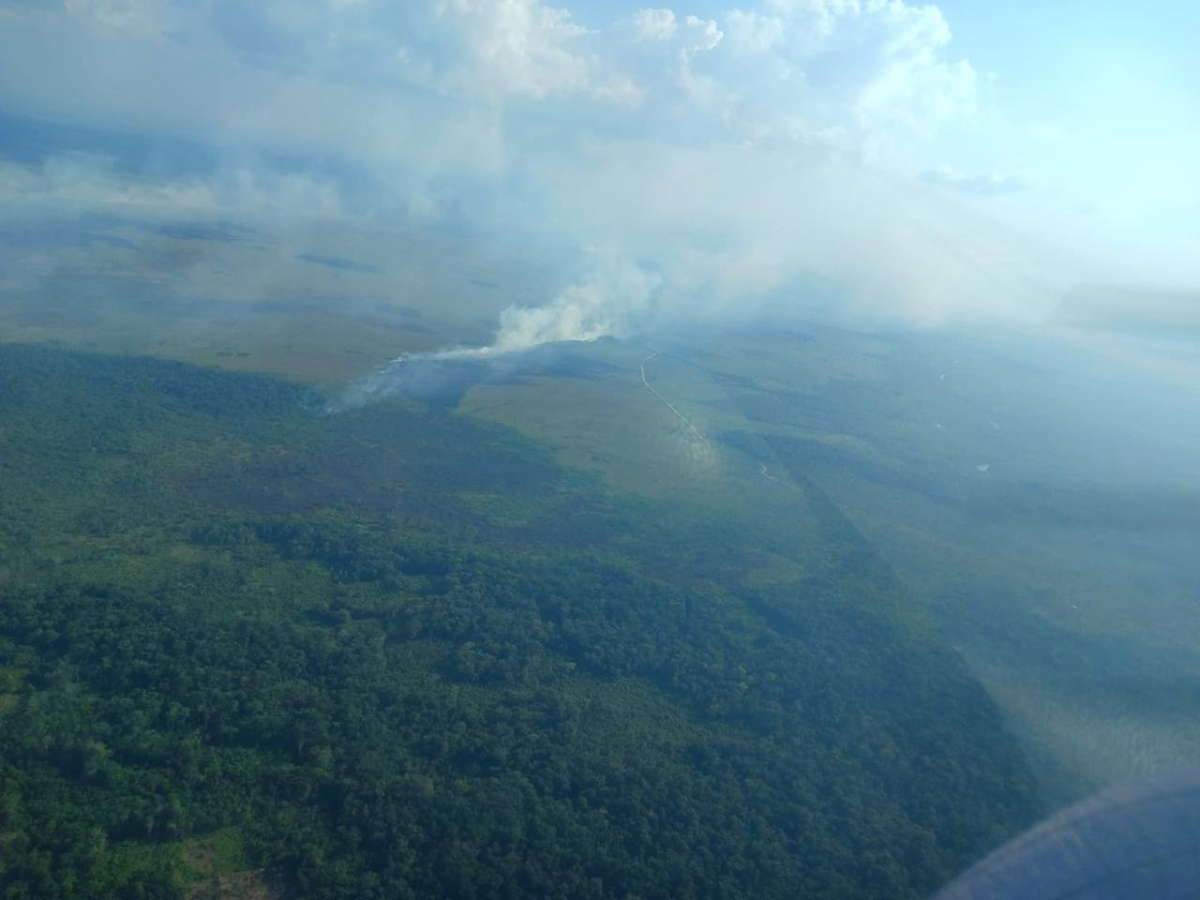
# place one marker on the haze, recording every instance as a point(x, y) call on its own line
point(836, 360)
point(932, 165)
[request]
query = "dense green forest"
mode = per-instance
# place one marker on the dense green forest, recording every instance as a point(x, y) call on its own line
point(251, 648)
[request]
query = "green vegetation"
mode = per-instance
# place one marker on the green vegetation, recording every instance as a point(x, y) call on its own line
point(1065, 573)
point(247, 648)
point(1063, 570)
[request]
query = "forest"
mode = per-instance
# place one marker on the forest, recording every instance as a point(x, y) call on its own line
point(252, 648)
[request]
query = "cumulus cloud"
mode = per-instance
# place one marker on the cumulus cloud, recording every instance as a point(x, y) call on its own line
point(701, 34)
point(655, 24)
point(865, 69)
point(518, 46)
point(877, 70)
point(752, 32)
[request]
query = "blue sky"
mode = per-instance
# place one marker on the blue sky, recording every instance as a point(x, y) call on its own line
point(959, 160)
point(1123, 76)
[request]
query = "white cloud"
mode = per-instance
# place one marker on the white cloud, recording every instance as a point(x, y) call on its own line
point(876, 68)
point(874, 73)
point(752, 32)
point(731, 156)
point(520, 47)
point(913, 85)
point(701, 35)
point(654, 24)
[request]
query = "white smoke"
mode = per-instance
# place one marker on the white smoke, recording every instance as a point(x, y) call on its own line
point(613, 304)
point(606, 306)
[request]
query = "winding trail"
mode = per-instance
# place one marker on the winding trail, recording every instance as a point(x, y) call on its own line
point(667, 403)
point(762, 470)
point(762, 467)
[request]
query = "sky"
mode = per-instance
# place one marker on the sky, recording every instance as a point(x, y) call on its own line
point(967, 161)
